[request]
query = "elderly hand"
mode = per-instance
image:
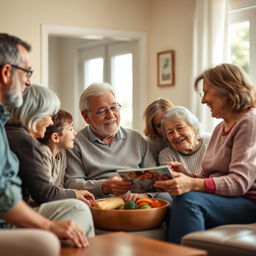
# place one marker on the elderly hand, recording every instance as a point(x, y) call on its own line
point(135, 196)
point(178, 167)
point(116, 186)
point(85, 196)
point(180, 184)
point(69, 230)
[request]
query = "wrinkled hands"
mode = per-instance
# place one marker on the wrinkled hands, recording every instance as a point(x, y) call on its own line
point(135, 196)
point(115, 186)
point(178, 167)
point(68, 230)
point(180, 184)
point(85, 196)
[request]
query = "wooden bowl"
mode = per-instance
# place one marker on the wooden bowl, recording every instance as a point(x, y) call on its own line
point(130, 220)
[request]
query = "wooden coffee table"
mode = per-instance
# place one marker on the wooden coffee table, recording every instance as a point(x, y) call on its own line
point(124, 244)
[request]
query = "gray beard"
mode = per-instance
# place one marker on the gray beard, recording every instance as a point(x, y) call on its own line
point(14, 99)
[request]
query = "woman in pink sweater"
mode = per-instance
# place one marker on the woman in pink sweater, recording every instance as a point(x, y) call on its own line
point(224, 192)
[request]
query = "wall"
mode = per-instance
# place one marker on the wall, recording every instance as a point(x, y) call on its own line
point(167, 22)
point(24, 18)
point(64, 74)
point(171, 29)
point(54, 64)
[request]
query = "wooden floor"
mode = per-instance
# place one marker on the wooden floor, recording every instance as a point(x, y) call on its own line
point(124, 244)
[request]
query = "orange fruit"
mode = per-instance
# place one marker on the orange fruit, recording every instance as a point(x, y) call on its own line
point(149, 200)
point(156, 204)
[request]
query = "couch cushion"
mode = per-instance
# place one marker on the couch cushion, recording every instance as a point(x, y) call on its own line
point(227, 240)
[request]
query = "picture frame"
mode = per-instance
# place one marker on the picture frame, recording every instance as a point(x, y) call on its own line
point(166, 68)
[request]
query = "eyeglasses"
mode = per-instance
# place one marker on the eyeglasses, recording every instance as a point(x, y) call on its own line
point(103, 111)
point(28, 71)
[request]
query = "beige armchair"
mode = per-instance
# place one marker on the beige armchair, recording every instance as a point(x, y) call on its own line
point(227, 240)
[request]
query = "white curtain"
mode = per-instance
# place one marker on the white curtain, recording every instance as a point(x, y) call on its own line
point(209, 49)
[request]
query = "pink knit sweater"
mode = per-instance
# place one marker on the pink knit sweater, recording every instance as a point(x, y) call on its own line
point(229, 163)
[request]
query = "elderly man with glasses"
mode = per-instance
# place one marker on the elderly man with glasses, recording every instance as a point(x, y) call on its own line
point(103, 146)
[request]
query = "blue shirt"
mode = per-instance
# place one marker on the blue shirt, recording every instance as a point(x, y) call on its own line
point(10, 193)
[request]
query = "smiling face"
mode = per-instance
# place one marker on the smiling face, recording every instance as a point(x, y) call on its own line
point(181, 136)
point(216, 102)
point(106, 124)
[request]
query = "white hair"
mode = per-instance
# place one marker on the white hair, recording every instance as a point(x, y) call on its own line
point(38, 102)
point(94, 90)
point(186, 115)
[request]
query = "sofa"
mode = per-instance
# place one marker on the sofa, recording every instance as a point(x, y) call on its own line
point(227, 240)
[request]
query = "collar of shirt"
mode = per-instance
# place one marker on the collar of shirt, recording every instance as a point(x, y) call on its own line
point(93, 138)
point(4, 115)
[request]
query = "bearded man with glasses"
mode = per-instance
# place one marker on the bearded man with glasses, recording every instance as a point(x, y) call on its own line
point(37, 235)
point(103, 147)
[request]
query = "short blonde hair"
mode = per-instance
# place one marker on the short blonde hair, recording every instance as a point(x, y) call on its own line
point(150, 113)
point(230, 81)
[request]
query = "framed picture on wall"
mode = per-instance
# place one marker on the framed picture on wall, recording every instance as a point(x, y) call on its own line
point(165, 68)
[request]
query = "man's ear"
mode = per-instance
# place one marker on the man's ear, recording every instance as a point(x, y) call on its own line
point(6, 73)
point(85, 116)
point(55, 137)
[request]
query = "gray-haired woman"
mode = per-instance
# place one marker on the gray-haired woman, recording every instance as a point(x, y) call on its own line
point(187, 144)
point(25, 125)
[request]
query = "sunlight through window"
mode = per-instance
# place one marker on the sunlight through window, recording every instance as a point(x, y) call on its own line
point(93, 71)
point(122, 83)
point(239, 45)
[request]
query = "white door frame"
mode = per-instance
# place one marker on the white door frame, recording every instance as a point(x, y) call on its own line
point(141, 37)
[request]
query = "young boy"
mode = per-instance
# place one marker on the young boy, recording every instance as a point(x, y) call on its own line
point(57, 138)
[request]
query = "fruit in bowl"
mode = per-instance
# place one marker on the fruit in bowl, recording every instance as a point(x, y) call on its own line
point(145, 213)
point(143, 203)
point(129, 205)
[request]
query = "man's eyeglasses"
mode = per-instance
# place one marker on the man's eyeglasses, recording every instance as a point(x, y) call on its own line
point(103, 111)
point(28, 71)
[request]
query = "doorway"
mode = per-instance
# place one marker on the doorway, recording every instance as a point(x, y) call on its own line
point(62, 73)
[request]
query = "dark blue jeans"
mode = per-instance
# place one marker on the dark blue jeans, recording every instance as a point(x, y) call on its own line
point(196, 211)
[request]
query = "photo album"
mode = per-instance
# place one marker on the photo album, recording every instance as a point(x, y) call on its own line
point(143, 179)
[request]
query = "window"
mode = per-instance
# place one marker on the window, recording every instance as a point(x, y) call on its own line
point(121, 79)
point(93, 71)
point(241, 35)
point(239, 44)
point(112, 63)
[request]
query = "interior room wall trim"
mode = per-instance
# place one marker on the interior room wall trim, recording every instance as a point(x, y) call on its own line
point(78, 32)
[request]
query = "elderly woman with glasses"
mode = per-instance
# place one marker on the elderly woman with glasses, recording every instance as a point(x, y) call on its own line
point(224, 191)
point(187, 143)
point(27, 123)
